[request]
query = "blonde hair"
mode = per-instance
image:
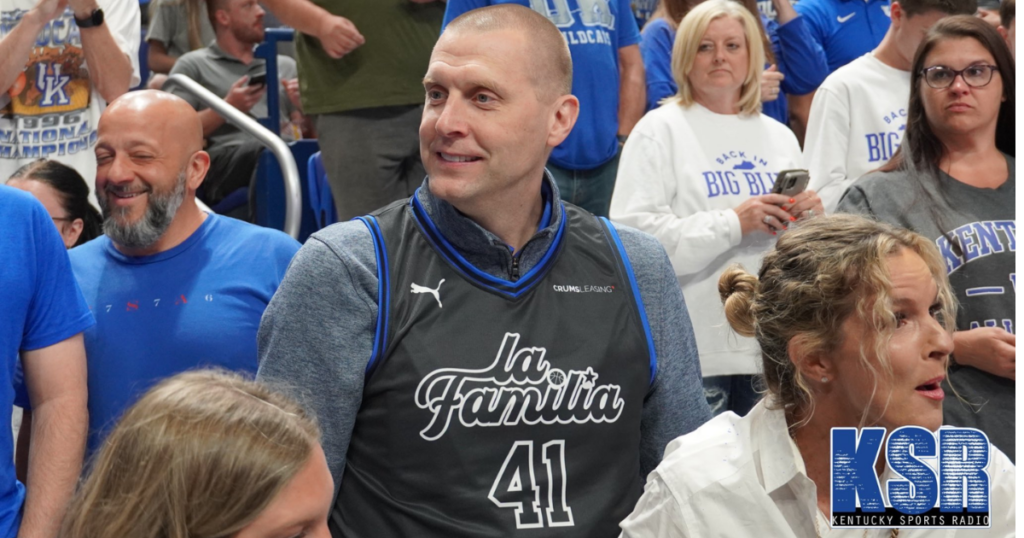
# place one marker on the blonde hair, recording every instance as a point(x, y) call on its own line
point(820, 273)
point(198, 456)
point(691, 32)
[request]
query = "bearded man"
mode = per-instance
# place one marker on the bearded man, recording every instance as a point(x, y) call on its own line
point(172, 287)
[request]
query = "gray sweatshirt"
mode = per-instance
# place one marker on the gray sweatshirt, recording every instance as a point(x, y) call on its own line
point(317, 334)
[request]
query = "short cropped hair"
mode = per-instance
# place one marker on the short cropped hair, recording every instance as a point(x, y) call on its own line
point(549, 47)
point(949, 7)
point(1007, 11)
point(691, 32)
point(212, 7)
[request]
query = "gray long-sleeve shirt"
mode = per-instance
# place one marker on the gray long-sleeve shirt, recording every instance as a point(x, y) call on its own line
point(317, 334)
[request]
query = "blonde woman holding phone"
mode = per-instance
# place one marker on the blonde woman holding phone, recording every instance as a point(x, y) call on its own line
point(697, 173)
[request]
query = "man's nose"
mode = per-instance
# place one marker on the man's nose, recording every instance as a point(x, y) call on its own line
point(452, 119)
point(118, 170)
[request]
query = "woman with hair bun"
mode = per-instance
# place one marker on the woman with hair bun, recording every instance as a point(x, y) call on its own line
point(65, 196)
point(854, 320)
point(207, 454)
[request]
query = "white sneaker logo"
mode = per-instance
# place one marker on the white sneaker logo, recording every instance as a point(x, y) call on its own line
point(846, 18)
point(416, 288)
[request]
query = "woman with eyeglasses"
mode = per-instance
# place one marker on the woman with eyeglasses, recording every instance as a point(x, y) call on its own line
point(65, 196)
point(953, 182)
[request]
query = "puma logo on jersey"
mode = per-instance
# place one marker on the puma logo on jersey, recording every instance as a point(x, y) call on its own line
point(846, 18)
point(416, 288)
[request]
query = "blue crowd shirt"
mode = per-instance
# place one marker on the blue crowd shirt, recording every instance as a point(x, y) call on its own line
point(595, 36)
point(196, 305)
point(845, 29)
point(643, 10)
point(40, 305)
point(797, 56)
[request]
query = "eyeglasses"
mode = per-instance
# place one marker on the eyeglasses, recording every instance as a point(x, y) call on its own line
point(941, 77)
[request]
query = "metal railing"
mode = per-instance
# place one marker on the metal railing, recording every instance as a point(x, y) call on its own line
point(289, 170)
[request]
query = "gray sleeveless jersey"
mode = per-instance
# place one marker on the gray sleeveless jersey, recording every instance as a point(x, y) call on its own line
point(497, 407)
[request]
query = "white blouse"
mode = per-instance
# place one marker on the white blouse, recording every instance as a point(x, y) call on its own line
point(744, 477)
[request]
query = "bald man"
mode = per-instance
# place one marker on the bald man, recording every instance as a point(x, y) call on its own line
point(609, 80)
point(483, 358)
point(172, 287)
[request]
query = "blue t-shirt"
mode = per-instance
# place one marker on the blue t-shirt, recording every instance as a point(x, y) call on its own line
point(40, 305)
point(797, 56)
point(595, 36)
point(845, 29)
point(196, 305)
point(642, 11)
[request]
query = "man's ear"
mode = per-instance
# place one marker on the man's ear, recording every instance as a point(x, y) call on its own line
point(222, 17)
point(812, 364)
point(896, 14)
point(198, 165)
point(566, 110)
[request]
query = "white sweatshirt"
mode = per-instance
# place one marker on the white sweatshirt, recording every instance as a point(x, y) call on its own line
point(681, 173)
point(855, 125)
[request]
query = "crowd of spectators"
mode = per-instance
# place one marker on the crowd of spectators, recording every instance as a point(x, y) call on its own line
point(568, 294)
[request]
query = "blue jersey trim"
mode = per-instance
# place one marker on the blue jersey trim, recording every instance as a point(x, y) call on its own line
point(467, 270)
point(636, 295)
point(383, 290)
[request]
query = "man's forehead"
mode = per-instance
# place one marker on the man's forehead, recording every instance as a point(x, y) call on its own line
point(481, 45)
point(137, 131)
point(477, 55)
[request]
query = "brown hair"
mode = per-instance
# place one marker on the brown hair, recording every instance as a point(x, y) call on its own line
point(72, 191)
point(949, 7)
point(820, 273)
point(921, 149)
point(198, 456)
point(1007, 11)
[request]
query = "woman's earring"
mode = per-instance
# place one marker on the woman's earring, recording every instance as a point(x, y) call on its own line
point(824, 379)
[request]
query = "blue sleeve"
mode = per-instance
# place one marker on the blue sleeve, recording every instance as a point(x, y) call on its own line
point(675, 404)
point(57, 310)
point(813, 22)
point(656, 48)
point(627, 31)
point(799, 57)
point(455, 8)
